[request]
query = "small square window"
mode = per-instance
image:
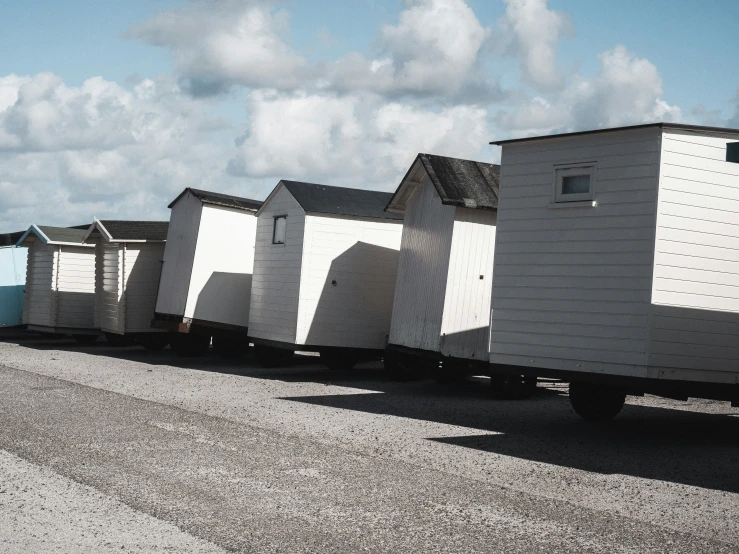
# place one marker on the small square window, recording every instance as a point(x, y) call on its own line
point(278, 232)
point(574, 183)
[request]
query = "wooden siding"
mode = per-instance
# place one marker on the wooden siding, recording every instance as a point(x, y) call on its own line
point(276, 285)
point(361, 257)
point(179, 254)
point(112, 314)
point(418, 306)
point(465, 328)
point(143, 267)
point(220, 283)
point(75, 287)
point(40, 300)
point(695, 291)
point(572, 285)
point(99, 274)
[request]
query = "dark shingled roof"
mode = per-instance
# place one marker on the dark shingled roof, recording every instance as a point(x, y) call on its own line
point(218, 199)
point(464, 183)
point(64, 234)
point(9, 239)
point(340, 200)
point(136, 230)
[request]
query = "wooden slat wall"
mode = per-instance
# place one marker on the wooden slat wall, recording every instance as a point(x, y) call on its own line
point(695, 291)
point(466, 325)
point(572, 285)
point(361, 255)
point(418, 307)
point(276, 283)
point(143, 267)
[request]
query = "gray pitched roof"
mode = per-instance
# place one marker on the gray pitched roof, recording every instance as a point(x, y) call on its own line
point(340, 200)
point(9, 239)
point(64, 234)
point(136, 230)
point(464, 183)
point(218, 199)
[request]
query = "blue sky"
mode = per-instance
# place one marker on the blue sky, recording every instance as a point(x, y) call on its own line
point(122, 104)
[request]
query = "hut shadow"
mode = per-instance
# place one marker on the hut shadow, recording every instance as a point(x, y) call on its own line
point(356, 301)
point(224, 298)
point(697, 449)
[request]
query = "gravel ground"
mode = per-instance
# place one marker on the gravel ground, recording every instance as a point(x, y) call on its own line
point(45, 513)
point(522, 475)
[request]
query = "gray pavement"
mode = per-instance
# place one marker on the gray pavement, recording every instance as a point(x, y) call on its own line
point(301, 459)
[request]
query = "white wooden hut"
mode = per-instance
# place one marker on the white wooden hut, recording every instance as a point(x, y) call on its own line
point(60, 282)
point(442, 297)
point(13, 262)
point(205, 287)
point(324, 273)
point(128, 263)
point(616, 263)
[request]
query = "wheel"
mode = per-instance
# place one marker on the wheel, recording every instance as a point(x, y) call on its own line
point(596, 402)
point(85, 339)
point(336, 360)
point(269, 356)
point(228, 347)
point(188, 345)
point(153, 341)
point(114, 339)
point(512, 386)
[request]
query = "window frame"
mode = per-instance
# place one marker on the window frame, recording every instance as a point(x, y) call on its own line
point(572, 170)
point(274, 229)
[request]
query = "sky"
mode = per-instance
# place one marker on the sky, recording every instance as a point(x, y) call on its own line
point(110, 109)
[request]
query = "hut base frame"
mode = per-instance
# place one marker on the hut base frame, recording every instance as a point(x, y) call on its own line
point(62, 330)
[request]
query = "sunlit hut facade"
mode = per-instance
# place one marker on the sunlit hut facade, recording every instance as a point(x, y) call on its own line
point(616, 263)
point(324, 273)
point(128, 263)
point(205, 287)
point(441, 311)
point(60, 282)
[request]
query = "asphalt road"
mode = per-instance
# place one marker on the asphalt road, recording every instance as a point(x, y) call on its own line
point(109, 449)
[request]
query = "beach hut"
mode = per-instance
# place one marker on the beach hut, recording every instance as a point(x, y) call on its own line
point(128, 262)
point(60, 282)
point(205, 287)
point(12, 279)
point(616, 263)
point(441, 311)
point(324, 273)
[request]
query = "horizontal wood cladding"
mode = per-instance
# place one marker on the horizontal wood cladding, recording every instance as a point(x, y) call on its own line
point(573, 285)
point(275, 290)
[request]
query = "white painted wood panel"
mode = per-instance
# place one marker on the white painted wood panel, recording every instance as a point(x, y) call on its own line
point(75, 287)
point(347, 281)
point(695, 294)
point(143, 266)
point(418, 306)
point(112, 318)
point(572, 285)
point(223, 266)
point(465, 329)
point(179, 254)
point(39, 291)
point(275, 292)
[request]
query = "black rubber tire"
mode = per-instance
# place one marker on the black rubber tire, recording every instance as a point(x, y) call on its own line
point(153, 341)
point(85, 339)
point(512, 386)
point(338, 361)
point(596, 402)
point(228, 347)
point(269, 356)
point(116, 340)
point(188, 345)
